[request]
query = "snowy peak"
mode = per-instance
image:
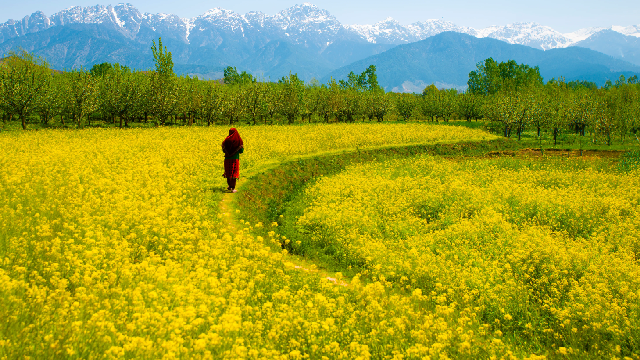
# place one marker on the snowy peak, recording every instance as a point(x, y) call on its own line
point(307, 23)
point(529, 34)
point(633, 30)
point(300, 24)
point(387, 31)
point(425, 29)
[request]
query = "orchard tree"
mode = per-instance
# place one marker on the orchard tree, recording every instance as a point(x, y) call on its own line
point(502, 108)
point(292, 88)
point(232, 77)
point(491, 77)
point(323, 107)
point(209, 106)
point(163, 97)
point(405, 104)
point(350, 108)
point(23, 77)
point(537, 103)
point(50, 103)
point(255, 100)
point(273, 100)
point(232, 103)
point(366, 81)
point(470, 106)
point(81, 94)
point(376, 104)
point(428, 103)
point(118, 94)
point(558, 108)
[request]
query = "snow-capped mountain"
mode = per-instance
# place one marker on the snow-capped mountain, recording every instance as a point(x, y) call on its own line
point(300, 24)
point(301, 38)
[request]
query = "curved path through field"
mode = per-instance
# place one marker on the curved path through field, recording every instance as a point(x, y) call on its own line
point(269, 190)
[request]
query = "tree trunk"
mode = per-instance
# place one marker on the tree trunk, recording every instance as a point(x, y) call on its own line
point(519, 132)
point(24, 121)
point(120, 122)
point(555, 136)
point(538, 131)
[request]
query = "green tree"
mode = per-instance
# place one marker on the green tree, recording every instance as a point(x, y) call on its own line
point(232, 77)
point(232, 103)
point(210, 104)
point(102, 69)
point(292, 91)
point(376, 105)
point(163, 85)
point(470, 105)
point(256, 97)
point(23, 77)
point(559, 108)
point(163, 59)
point(366, 81)
point(350, 105)
point(491, 77)
point(405, 104)
point(118, 94)
point(50, 102)
point(81, 92)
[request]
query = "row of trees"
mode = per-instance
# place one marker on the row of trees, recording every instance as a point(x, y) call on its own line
point(509, 95)
point(515, 97)
point(114, 93)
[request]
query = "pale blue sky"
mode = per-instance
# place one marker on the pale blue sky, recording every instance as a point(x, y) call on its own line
point(564, 16)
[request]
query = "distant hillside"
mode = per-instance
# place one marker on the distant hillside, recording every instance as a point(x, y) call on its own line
point(447, 58)
point(615, 44)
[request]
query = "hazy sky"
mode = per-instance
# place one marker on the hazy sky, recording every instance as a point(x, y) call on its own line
point(562, 15)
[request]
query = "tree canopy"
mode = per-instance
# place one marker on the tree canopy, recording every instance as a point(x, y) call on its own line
point(491, 77)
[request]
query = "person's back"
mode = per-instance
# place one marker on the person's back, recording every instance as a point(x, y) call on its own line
point(232, 146)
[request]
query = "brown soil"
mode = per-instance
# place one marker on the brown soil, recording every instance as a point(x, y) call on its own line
point(570, 153)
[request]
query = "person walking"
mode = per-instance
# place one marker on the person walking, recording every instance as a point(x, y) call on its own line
point(232, 146)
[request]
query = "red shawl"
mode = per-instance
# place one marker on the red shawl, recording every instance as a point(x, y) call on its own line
point(232, 143)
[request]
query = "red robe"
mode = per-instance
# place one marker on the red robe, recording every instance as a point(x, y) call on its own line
point(231, 145)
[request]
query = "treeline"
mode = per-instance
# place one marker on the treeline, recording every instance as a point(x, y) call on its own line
point(30, 91)
point(510, 97)
point(515, 97)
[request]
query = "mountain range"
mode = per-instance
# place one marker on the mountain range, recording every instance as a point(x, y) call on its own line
point(303, 39)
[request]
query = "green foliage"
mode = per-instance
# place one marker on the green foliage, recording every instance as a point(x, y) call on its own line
point(629, 161)
point(582, 84)
point(232, 77)
point(81, 94)
point(366, 81)
point(292, 92)
point(436, 103)
point(23, 77)
point(491, 77)
point(163, 59)
point(101, 69)
point(514, 101)
point(405, 105)
point(106, 68)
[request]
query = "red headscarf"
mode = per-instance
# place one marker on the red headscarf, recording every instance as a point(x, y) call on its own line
point(232, 143)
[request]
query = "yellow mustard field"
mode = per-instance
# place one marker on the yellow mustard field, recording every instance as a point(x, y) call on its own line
point(541, 255)
point(112, 245)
